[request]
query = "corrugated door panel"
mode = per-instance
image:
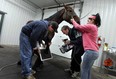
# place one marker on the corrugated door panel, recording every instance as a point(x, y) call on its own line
point(15, 18)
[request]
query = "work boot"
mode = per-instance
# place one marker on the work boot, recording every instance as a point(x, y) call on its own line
point(29, 77)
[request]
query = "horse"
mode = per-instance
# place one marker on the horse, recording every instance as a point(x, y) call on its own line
point(61, 15)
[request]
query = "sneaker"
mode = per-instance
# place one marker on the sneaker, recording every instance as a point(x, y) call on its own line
point(29, 77)
point(68, 70)
point(75, 74)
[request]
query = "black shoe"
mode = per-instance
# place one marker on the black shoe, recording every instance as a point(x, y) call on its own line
point(39, 68)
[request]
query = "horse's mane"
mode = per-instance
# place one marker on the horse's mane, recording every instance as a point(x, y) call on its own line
point(56, 17)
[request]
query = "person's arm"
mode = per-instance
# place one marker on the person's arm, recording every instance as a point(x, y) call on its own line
point(48, 39)
point(36, 33)
point(82, 28)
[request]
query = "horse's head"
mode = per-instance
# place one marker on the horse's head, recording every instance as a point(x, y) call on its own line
point(69, 11)
point(63, 14)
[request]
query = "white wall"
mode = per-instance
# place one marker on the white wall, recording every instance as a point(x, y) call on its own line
point(1, 5)
point(17, 15)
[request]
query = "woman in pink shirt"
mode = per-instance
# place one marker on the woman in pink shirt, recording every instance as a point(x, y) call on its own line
point(89, 35)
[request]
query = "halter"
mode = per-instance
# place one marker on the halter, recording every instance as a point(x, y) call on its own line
point(67, 15)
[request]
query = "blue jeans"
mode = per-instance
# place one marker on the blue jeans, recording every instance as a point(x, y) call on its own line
point(25, 54)
point(89, 57)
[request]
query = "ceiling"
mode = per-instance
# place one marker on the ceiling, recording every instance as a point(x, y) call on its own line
point(40, 4)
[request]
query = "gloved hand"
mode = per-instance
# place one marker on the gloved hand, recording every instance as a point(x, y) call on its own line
point(36, 52)
point(67, 42)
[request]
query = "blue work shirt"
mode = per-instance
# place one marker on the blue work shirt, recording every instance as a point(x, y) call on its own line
point(36, 31)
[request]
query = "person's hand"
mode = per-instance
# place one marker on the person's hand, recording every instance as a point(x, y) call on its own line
point(71, 19)
point(36, 48)
point(67, 42)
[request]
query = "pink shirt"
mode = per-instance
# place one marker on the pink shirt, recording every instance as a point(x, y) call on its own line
point(89, 35)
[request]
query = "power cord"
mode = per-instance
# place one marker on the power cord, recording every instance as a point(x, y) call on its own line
point(7, 66)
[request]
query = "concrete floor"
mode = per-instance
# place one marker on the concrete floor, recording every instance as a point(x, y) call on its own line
point(53, 69)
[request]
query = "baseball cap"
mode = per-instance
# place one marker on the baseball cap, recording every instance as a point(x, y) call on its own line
point(54, 26)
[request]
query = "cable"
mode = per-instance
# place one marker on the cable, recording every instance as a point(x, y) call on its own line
point(74, 4)
point(7, 66)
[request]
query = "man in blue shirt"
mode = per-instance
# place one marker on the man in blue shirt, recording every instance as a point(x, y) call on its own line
point(31, 34)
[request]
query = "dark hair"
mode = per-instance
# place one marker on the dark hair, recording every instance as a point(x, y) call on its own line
point(65, 27)
point(97, 20)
